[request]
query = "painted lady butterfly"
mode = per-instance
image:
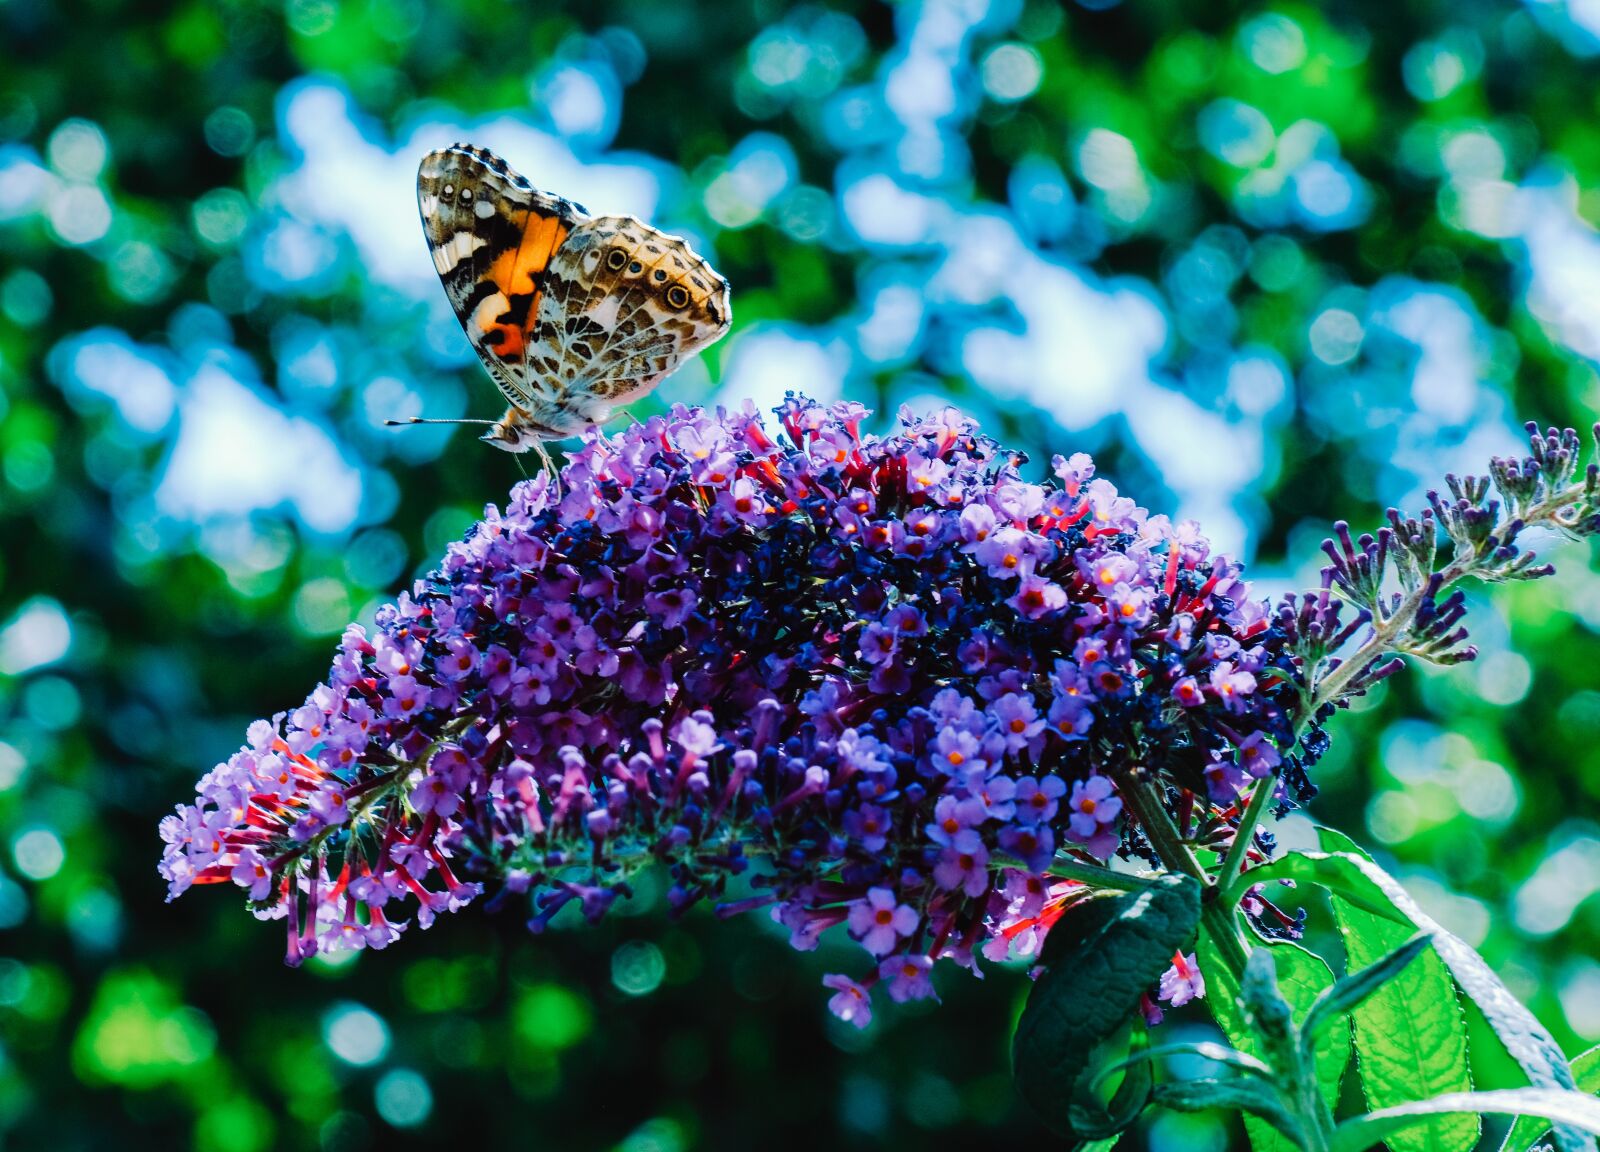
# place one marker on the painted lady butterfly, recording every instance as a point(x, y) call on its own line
point(572, 314)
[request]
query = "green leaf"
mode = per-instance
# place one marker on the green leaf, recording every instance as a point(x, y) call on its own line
point(1571, 1110)
point(1108, 953)
point(1259, 1101)
point(1360, 880)
point(1098, 1119)
point(1302, 976)
point(1586, 1072)
point(1205, 1049)
point(1372, 889)
point(1330, 870)
point(1411, 1037)
point(1353, 991)
point(1105, 1145)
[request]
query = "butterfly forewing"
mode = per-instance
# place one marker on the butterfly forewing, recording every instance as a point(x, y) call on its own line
point(571, 314)
point(492, 235)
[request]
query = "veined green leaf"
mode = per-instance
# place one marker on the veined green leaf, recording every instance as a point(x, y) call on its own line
point(1411, 1037)
point(1351, 991)
point(1370, 888)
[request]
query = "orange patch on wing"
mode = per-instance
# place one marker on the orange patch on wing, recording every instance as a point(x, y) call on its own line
point(505, 340)
point(514, 272)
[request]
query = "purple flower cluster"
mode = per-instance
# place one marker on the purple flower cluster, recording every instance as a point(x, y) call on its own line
point(893, 675)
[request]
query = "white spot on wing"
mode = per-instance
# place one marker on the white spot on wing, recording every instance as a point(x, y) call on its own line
point(484, 209)
point(454, 250)
point(605, 312)
point(489, 310)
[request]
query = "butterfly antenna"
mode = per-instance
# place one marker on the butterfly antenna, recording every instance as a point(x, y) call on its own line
point(421, 420)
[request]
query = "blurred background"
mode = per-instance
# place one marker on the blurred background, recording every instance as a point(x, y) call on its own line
point(1274, 264)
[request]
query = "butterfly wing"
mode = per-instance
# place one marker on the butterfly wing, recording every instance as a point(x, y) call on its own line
point(623, 305)
point(494, 238)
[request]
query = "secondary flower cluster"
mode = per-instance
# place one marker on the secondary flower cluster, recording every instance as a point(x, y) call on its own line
point(899, 678)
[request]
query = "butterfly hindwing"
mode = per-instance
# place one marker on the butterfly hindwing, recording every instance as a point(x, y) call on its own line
point(626, 303)
point(493, 237)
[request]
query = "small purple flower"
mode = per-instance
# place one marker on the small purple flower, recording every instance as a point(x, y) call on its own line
point(404, 698)
point(747, 501)
point(879, 922)
point(1107, 570)
point(956, 752)
point(924, 472)
point(251, 873)
point(1037, 597)
point(1130, 606)
point(671, 606)
point(1073, 471)
point(1258, 756)
point(879, 644)
point(1017, 501)
point(1095, 808)
point(1182, 982)
point(1011, 553)
point(976, 525)
point(1224, 779)
point(993, 792)
point(1188, 692)
point(1017, 721)
point(952, 816)
point(697, 737)
point(908, 976)
point(1037, 800)
point(964, 865)
point(1111, 511)
point(1232, 686)
point(851, 1002)
point(906, 620)
point(869, 825)
point(1033, 844)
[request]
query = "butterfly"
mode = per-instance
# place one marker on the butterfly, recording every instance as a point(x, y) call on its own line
point(573, 315)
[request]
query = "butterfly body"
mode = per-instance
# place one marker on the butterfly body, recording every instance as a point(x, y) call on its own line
point(573, 315)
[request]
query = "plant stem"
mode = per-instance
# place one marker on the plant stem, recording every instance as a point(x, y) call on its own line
point(1139, 794)
point(1218, 921)
point(1094, 875)
point(1233, 863)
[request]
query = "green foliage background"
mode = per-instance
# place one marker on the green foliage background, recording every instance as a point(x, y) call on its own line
point(1443, 284)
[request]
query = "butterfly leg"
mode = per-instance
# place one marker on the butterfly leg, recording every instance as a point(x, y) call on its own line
point(550, 466)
